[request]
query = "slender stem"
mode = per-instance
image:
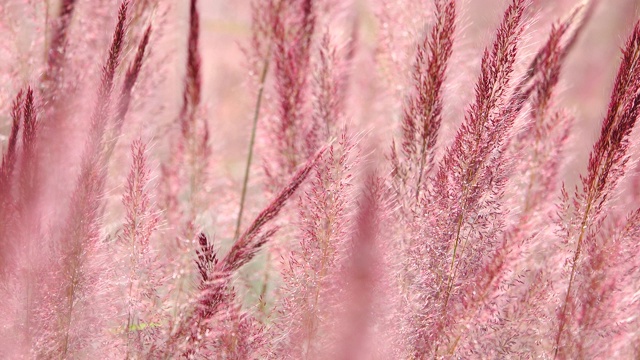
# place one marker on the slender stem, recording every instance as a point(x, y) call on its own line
point(452, 268)
point(132, 266)
point(247, 170)
point(576, 257)
point(265, 283)
point(67, 321)
point(256, 116)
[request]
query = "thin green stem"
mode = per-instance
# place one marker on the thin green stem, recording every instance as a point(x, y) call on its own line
point(256, 116)
point(247, 170)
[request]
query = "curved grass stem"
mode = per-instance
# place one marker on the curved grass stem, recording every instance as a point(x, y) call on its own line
point(247, 170)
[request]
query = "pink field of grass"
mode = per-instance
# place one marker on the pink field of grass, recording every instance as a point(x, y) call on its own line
point(319, 179)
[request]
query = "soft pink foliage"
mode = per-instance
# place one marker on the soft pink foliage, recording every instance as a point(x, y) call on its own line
point(386, 218)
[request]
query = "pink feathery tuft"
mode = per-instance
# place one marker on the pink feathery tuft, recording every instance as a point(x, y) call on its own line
point(607, 165)
point(422, 114)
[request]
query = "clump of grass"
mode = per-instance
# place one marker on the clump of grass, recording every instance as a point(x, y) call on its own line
point(409, 246)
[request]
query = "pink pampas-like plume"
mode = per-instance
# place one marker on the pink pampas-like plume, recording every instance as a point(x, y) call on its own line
point(310, 291)
point(463, 212)
point(213, 294)
point(140, 224)
point(607, 165)
point(79, 238)
point(422, 114)
point(292, 30)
